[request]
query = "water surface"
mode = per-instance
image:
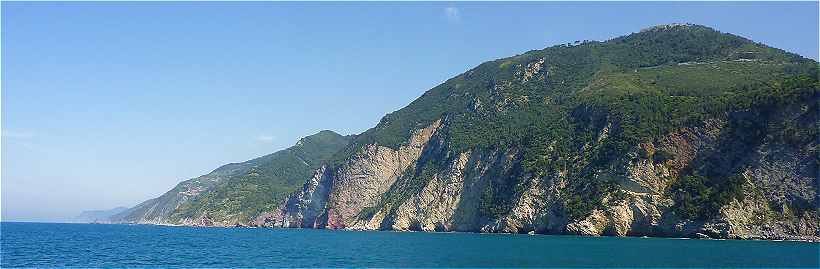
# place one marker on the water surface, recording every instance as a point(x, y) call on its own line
point(101, 245)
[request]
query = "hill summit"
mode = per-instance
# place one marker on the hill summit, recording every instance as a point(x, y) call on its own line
point(676, 130)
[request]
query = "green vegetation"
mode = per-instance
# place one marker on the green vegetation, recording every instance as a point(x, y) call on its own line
point(698, 197)
point(640, 87)
point(662, 156)
point(572, 112)
point(499, 194)
point(263, 186)
point(702, 193)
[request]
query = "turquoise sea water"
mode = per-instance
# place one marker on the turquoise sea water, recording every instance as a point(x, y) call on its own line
point(100, 245)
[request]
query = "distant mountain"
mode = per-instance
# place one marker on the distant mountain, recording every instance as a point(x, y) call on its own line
point(676, 130)
point(98, 215)
point(235, 192)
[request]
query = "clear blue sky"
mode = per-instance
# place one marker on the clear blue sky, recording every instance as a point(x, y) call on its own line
point(110, 104)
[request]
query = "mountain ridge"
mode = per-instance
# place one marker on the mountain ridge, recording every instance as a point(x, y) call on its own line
point(102, 215)
point(676, 130)
point(183, 200)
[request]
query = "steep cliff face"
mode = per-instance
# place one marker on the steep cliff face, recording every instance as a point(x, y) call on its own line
point(676, 130)
point(454, 196)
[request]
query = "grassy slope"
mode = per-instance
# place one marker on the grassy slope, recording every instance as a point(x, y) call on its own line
point(241, 190)
point(262, 187)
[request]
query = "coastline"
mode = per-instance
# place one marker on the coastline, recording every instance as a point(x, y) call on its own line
point(66, 245)
point(808, 239)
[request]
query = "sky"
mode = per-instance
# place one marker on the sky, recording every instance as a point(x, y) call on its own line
point(110, 104)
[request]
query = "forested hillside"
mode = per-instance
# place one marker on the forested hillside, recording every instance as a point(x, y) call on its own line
point(676, 130)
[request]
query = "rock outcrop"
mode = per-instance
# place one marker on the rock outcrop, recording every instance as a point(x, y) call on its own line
point(677, 130)
point(354, 195)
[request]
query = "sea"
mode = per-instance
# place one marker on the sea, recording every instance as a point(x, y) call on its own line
point(113, 245)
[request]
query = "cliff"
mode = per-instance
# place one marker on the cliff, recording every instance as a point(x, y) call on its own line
point(676, 130)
